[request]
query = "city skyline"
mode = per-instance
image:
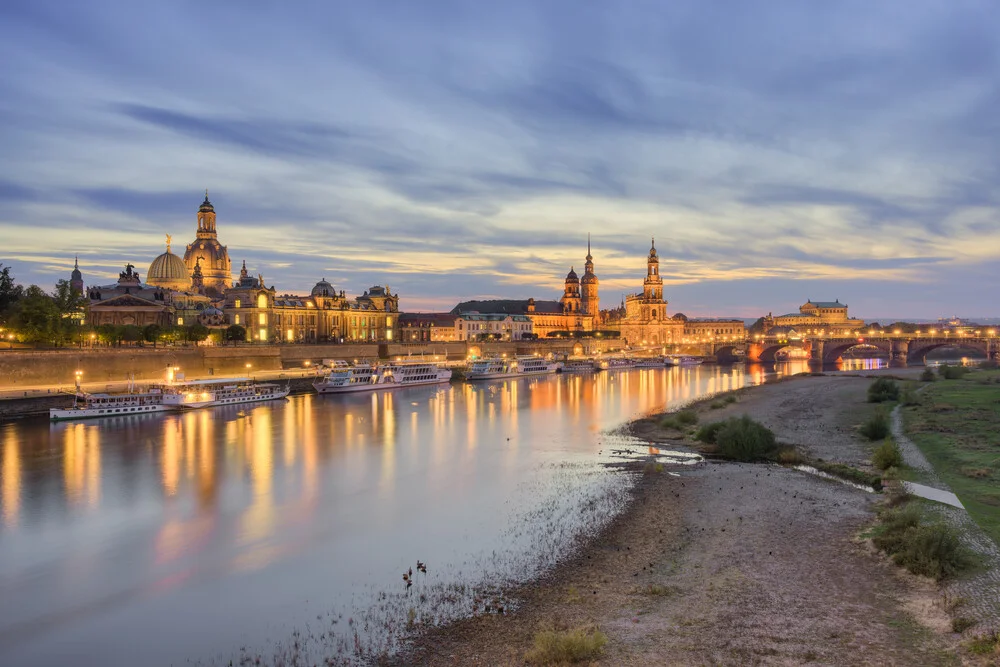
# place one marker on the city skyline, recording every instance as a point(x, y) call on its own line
point(457, 152)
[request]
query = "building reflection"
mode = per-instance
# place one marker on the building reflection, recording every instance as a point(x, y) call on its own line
point(82, 465)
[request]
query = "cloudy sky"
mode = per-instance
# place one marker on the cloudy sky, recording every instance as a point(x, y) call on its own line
point(778, 151)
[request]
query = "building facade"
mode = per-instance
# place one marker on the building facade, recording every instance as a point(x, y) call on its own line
point(493, 326)
point(824, 315)
point(645, 321)
point(129, 302)
point(427, 327)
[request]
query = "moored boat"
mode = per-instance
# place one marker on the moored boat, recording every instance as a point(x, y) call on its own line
point(344, 379)
point(649, 362)
point(89, 406)
point(190, 394)
point(495, 368)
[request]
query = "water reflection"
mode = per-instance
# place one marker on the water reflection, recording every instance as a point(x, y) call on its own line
point(182, 536)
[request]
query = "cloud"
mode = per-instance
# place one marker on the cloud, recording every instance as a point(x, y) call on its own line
point(458, 150)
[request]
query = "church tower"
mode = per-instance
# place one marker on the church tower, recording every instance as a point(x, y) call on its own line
point(588, 286)
point(652, 286)
point(76, 278)
point(216, 268)
point(571, 295)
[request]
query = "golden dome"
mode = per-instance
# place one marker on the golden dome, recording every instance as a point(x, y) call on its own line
point(169, 272)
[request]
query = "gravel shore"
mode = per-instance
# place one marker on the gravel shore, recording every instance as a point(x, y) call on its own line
point(724, 563)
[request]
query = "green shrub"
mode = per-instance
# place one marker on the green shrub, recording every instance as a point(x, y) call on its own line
point(887, 455)
point(730, 398)
point(882, 390)
point(709, 432)
point(877, 427)
point(928, 375)
point(952, 372)
point(743, 439)
point(717, 405)
point(932, 550)
point(687, 417)
point(669, 422)
point(909, 395)
point(554, 647)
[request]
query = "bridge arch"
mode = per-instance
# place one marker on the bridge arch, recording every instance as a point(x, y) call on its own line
point(918, 349)
point(834, 350)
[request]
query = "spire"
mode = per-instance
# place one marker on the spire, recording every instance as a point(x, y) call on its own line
point(652, 243)
point(588, 246)
point(76, 262)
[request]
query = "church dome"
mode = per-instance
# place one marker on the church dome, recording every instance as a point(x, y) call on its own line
point(571, 277)
point(206, 206)
point(323, 288)
point(589, 279)
point(169, 271)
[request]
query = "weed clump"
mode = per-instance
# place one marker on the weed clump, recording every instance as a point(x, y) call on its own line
point(882, 390)
point(928, 375)
point(877, 426)
point(743, 439)
point(985, 644)
point(730, 398)
point(887, 455)
point(909, 395)
point(554, 647)
point(717, 405)
point(709, 432)
point(932, 550)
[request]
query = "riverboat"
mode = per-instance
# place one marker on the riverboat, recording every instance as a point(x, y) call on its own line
point(649, 362)
point(689, 361)
point(495, 368)
point(618, 363)
point(578, 366)
point(89, 406)
point(190, 394)
point(344, 379)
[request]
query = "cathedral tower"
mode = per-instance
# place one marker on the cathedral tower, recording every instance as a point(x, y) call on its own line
point(652, 286)
point(76, 278)
point(217, 269)
point(590, 302)
point(571, 295)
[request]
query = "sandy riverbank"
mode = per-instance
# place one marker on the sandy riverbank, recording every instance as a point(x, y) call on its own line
point(733, 563)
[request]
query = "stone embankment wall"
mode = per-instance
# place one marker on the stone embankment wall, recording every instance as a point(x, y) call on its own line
point(31, 368)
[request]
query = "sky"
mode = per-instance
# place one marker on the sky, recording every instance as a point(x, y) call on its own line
point(778, 151)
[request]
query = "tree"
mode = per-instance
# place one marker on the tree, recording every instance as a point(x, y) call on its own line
point(132, 333)
point(197, 333)
point(151, 333)
point(36, 317)
point(903, 327)
point(236, 334)
point(110, 334)
point(10, 293)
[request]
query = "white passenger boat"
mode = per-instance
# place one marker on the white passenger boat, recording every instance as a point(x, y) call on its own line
point(578, 366)
point(618, 363)
point(344, 378)
point(601, 364)
point(89, 406)
point(189, 394)
point(689, 361)
point(496, 368)
point(649, 362)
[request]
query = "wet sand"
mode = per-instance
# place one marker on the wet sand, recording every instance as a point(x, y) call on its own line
point(732, 563)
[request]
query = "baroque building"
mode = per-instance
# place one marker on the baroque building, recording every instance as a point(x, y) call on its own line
point(169, 271)
point(129, 302)
point(830, 315)
point(216, 269)
point(576, 311)
point(645, 320)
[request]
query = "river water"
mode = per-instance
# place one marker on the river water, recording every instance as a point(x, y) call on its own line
point(170, 539)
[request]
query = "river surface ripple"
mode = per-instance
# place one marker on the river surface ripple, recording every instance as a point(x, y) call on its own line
point(167, 539)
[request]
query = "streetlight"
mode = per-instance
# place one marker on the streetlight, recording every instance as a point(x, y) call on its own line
point(10, 341)
point(78, 373)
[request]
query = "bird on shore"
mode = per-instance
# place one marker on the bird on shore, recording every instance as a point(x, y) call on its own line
point(422, 567)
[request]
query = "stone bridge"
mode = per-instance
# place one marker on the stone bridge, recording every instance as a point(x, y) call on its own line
point(899, 347)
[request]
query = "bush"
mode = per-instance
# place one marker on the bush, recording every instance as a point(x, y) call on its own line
point(708, 432)
point(882, 390)
point(932, 550)
point(952, 372)
point(887, 455)
point(928, 375)
point(743, 439)
point(877, 426)
point(989, 364)
point(717, 405)
point(555, 647)
point(687, 417)
point(730, 398)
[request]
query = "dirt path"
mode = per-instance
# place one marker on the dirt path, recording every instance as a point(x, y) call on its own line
point(732, 564)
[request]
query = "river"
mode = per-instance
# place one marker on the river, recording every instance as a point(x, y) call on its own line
point(178, 538)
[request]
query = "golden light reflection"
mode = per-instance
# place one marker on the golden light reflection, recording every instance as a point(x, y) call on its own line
point(257, 522)
point(10, 479)
point(169, 456)
point(82, 464)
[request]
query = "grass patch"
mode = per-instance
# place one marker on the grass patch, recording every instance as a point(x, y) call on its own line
point(877, 427)
point(743, 439)
point(679, 421)
point(952, 372)
point(928, 375)
point(790, 456)
point(987, 644)
point(909, 396)
point(958, 430)
point(931, 550)
point(716, 405)
point(730, 398)
point(553, 647)
point(883, 390)
point(709, 432)
point(961, 623)
point(887, 455)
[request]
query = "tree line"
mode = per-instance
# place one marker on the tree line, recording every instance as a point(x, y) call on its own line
point(33, 316)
